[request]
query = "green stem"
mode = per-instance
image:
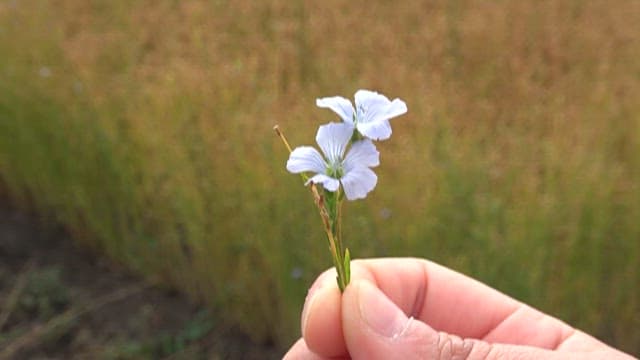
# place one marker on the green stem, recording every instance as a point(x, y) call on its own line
point(334, 202)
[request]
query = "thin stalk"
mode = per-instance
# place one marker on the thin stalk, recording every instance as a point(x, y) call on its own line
point(342, 272)
point(338, 221)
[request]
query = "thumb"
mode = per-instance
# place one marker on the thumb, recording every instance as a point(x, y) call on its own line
point(376, 328)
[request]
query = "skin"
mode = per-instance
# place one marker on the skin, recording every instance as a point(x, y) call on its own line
point(407, 308)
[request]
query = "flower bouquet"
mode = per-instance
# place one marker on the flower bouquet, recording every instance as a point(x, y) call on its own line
point(343, 167)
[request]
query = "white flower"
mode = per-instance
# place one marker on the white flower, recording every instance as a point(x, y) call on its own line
point(334, 168)
point(371, 114)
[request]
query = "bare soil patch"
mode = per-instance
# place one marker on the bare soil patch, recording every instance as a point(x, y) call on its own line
point(59, 301)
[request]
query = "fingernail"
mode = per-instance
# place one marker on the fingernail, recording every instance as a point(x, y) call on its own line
point(308, 303)
point(380, 313)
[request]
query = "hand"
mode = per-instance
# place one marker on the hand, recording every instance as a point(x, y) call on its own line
point(415, 309)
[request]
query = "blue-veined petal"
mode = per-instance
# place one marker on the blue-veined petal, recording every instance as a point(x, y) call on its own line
point(358, 182)
point(333, 139)
point(361, 153)
point(396, 108)
point(372, 106)
point(328, 182)
point(375, 130)
point(339, 105)
point(370, 100)
point(305, 158)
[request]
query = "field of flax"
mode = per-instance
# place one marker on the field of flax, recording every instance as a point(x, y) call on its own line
point(145, 127)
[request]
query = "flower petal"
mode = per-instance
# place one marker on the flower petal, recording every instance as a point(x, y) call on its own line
point(370, 99)
point(305, 158)
point(370, 106)
point(396, 108)
point(376, 130)
point(374, 107)
point(333, 139)
point(339, 105)
point(358, 182)
point(361, 153)
point(328, 182)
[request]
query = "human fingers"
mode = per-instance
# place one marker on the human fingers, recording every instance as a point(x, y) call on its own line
point(300, 351)
point(454, 303)
point(376, 328)
point(446, 300)
point(321, 322)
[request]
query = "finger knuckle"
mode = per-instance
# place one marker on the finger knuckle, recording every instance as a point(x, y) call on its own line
point(451, 347)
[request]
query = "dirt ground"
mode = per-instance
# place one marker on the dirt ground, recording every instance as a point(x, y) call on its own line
point(58, 301)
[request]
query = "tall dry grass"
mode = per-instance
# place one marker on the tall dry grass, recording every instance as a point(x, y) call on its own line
point(145, 128)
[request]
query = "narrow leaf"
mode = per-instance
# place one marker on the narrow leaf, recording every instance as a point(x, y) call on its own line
point(347, 266)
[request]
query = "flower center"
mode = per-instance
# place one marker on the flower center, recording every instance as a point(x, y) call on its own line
point(360, 112)
point(334, 169)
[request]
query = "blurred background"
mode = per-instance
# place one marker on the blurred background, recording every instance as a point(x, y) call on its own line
point(144, 130)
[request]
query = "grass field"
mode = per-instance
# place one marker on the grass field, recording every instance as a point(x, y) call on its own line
point(146, 128)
